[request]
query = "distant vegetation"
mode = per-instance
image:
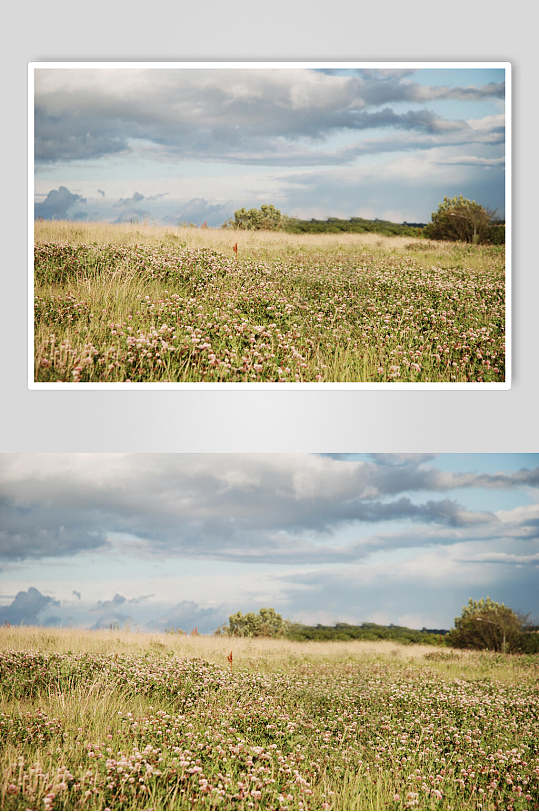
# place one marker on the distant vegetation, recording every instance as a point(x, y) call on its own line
point(355, 225)
point(269, 623)
point(366, 631)
point(265, 623)
point(266, 218)
point(456, 219)
point(483, 624)
point(269, 218)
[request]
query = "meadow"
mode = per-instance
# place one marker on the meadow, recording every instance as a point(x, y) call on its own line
point(142, 303)
point(125, 720)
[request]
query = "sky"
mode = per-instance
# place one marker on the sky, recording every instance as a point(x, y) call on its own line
point(193, 145)
point(183, 540)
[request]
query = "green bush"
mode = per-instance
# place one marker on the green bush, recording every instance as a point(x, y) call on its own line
point(496, 234)
point(355, 225)
point(267, 623)
point(269, 218)
point(462, 220)
point(528, 642)
point(485, 624)
point(365, 631)
point(266, 218)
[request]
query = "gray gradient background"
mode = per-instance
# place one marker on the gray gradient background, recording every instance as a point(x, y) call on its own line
point(270, 420)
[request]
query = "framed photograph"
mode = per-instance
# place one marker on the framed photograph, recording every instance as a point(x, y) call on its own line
point(269, 631)
point(270, 224)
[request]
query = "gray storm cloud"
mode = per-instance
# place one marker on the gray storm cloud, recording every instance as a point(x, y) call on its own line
point(270, 136)
point(225, 113)
point(250, 507)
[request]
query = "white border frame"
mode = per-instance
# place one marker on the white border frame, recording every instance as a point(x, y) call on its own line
point(33, 66)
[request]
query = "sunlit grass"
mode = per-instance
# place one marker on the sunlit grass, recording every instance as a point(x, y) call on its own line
point(150, 304)
point(127, 720)
point(252, 244)
point(214, 648)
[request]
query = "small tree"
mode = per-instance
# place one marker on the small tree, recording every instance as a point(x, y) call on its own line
point(485, 624)
point(267, 218)
point(460, 219)
point(267, 623)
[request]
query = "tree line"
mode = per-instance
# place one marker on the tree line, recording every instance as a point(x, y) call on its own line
point(482, 624)
point(456, 219)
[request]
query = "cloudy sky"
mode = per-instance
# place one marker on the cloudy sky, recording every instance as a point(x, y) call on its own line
point(193, 145)
point(185, 539)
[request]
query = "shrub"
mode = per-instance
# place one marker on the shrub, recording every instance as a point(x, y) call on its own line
point(266, 218)
point(496, 234)
point(485, 624)
point(267, 623)
point(528, 642)
point(460, 219)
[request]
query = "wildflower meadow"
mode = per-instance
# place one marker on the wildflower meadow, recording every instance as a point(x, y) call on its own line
point(120, 720)
point(135, 303)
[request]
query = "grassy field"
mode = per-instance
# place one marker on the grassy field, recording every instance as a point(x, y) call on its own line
point(145, 303)
point(120, 720)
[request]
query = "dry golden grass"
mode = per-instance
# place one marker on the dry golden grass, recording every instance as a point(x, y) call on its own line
point(261, 654)
point(250, 652)
point(250, 243)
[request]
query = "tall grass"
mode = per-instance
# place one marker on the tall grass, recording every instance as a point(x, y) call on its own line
point(248, 652)
point(146, 303)
point(250, 243)
point(126, 720)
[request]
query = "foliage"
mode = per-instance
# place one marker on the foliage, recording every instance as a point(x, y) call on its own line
point(460, 219)
point(270, 218)
point(457, 219)
point(266, 218)
point(496, 234)
point(366, 631)
point(265, 623)
point(485, 624)
point(355, 225)
point(528, 642)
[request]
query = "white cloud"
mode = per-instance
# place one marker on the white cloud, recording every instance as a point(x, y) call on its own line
point(305, 533)
point(183, 133)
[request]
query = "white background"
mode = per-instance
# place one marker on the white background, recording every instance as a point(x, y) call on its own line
point(312, 420)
